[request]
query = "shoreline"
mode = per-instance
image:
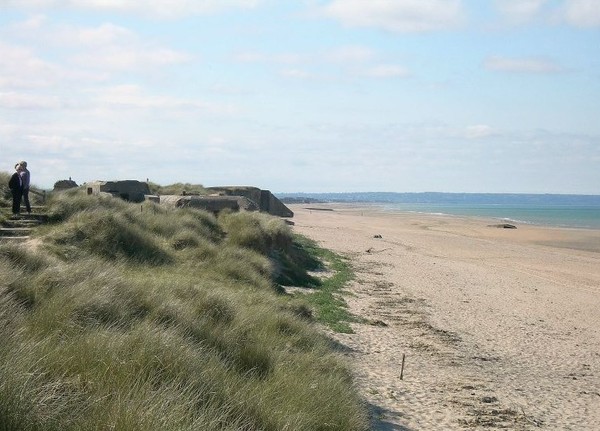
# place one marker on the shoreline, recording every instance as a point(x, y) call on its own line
point(576, 238)
point(404, 208)
point(499, 327)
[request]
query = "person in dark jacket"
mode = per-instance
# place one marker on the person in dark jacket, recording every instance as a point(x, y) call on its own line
point(16, 187)
point(25, 180)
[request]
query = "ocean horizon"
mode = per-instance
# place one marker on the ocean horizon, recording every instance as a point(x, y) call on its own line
point(565, 216)
point(566, 211)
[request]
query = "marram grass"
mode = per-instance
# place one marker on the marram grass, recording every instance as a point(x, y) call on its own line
point(131, 317)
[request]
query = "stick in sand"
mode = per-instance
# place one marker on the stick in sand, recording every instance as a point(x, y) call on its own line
point(402, 369)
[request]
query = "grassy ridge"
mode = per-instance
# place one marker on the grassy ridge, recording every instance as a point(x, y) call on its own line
point(134, 317)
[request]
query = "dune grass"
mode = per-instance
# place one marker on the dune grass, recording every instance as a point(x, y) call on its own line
point(5, 196)
point(147, 318)
point(176, 189)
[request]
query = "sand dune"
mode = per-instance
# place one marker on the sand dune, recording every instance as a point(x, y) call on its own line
point(500, 328)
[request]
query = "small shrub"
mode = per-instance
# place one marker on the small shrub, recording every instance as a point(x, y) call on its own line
point(245, 266)
point(185, 239)
point(244, 230)
point(253, 360)
point(300, 308)
point(216, 308)
point(23, 258)
point(111, 236)
point(63, 205)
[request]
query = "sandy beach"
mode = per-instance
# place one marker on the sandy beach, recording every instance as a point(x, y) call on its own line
point(500, 328)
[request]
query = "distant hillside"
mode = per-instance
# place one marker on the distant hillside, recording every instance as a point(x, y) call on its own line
point(443, 198)
point(301, 200)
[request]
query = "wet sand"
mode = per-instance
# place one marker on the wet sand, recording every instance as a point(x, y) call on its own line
point(500, 328)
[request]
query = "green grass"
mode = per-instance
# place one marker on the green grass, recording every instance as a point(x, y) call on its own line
point(327, 299)
point(5, 195)
point(146, 318)
point(176, 189)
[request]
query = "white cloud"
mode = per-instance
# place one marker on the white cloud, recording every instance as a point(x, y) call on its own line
point(578, 13)
point(387, 71)
point(351, 54)
point(296, 73)
point(133, 97)
point(51, 143)
point(355, 60)
point(398, 15)
point(522, 65)
point(156, 8)
point(342, 54)
point(103, 48)
point(13, 100)
point(22, 68)
point(33, 23)
point(249, 57)
point(103, 34)
point(479, 131)
point(583, 13)
point(115, 58)
point(289, 58)
point(40, 28)
point(520, 10)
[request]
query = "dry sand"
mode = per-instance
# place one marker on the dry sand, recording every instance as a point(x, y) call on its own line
point(500, 327)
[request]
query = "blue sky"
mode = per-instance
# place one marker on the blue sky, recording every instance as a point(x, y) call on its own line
point(306, 95)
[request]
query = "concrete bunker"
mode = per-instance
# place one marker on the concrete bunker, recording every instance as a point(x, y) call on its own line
point(264, 199)
point(129, 190)
point(234, 198)
point(214, 204)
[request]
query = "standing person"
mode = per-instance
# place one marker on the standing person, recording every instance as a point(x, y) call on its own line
point(25, 179)
point(16, 187)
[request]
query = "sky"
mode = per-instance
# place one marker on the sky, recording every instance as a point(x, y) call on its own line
point(483, 96)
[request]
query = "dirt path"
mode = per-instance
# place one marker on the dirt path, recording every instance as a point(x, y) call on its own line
point(498, 331)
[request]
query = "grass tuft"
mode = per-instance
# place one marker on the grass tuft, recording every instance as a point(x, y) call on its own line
point(109, 235)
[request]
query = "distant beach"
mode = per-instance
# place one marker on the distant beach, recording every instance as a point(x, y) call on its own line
point(499, 327)
point(571, 211)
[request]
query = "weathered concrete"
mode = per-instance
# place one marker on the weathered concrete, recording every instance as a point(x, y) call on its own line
point(65, 185)
point(210, 203)
point(129, 190)
point(235, 198)
point(19, 229)
point(264, 199)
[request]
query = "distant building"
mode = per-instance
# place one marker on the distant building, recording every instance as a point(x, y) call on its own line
point(129, 190)
point(264, 199)
point(235, 198)
point(65, 185)
point(213, 204)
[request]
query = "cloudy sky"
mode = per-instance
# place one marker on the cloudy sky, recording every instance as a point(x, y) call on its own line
point(305, 95)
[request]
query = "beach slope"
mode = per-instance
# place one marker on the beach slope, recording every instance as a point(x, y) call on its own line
point(499, 328)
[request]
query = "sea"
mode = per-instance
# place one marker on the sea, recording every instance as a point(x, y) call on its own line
point(566, 216)
point(557, 210)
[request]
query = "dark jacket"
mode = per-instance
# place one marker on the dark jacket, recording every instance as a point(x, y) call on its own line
point(15, 182)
